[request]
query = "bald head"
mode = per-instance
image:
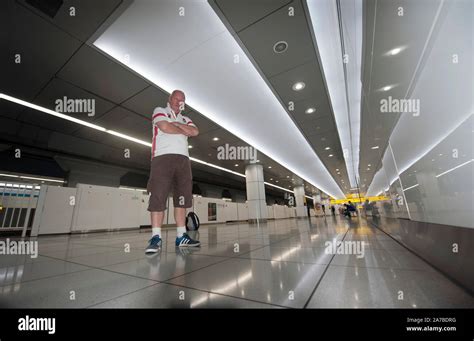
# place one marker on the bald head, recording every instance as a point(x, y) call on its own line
point(177, 100)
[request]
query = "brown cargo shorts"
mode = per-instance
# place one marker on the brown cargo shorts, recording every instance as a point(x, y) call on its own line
point(170, 172)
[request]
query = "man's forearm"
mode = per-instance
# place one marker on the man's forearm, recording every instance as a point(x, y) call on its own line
point(187, 130)
point(170, 128)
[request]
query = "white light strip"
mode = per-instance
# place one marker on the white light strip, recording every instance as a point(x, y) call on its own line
point(406, 189)
point(216, 166)
point(31, 178)
point(40, 179)
point(132, 189)
point(283, 189)
point(325, 23)
point(450, 170)
point(10, 175)
point(351, 14)
point(50, 112)
point(115, 133)
point(126, 137)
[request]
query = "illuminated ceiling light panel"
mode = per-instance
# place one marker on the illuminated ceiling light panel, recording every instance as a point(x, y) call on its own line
point(325, 22)
point(207, 52)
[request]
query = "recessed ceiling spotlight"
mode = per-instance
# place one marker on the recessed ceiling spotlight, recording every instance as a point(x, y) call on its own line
point(310, 110)
point(236, 165)
point(330, 155)
point(280, 46)
point(190, 146)
point(375, 147)
point(387, 87)
point(269, 167)
point(337, 169)
point(395, 51)
point(369, 165)
point(215, 139)
point(298, 86)
point(327, 148)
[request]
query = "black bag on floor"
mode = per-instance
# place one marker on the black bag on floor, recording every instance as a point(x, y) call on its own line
point(192, 222)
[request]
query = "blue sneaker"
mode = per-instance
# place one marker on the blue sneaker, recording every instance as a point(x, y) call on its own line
point(155, 245)
point(186, 241)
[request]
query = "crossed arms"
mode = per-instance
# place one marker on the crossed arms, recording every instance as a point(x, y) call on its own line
point(178, 128)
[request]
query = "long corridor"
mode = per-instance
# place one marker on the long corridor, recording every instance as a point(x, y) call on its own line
point(279, 264)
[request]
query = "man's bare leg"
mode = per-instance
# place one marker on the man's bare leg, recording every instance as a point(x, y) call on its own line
point(157, 219)
point(156, 222)
point(180, 216)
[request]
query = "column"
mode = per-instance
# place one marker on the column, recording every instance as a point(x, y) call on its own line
point(298, 191)
point(317, 205)
point(256, 200)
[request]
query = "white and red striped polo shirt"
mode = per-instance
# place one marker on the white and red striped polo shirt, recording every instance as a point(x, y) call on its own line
point(164, 143)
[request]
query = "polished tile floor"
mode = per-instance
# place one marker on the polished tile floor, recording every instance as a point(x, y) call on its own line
point(279, 264)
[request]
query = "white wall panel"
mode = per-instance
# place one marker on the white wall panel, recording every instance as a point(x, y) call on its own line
point(230, 210)
point(56, 213)
point(242, 211)
point(93, 208)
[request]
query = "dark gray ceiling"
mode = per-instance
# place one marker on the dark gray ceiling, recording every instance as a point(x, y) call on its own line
point(57, 62)
point(258, 26)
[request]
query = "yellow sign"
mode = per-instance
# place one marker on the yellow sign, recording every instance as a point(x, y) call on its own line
point(356, 199)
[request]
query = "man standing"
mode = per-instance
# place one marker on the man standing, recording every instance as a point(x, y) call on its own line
point(170, 170)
